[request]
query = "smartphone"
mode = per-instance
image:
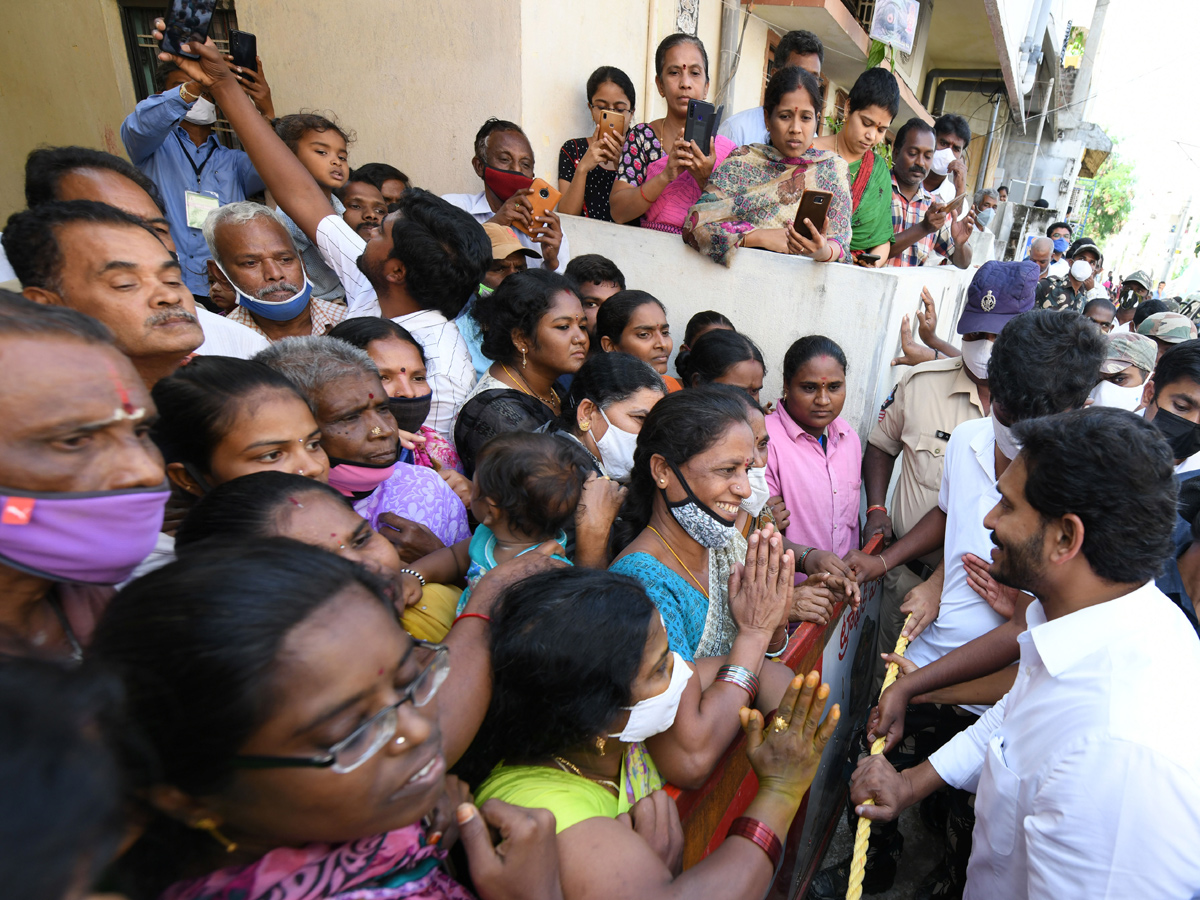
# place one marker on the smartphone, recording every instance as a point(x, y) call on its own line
point(187, 23)
point(866, 259)
point(956, 200)
point(543, 198)
point(703, 119)
point(243, 47)
point(611, 120)
point(814, 206)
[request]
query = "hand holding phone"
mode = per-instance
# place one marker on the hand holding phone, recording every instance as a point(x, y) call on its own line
point(187, 22)
point(243, 47)
point(542, 199)
point(814, 206)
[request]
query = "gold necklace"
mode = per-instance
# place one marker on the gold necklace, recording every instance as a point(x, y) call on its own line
point(572, 769)
point(528, 389)
point(680, 561)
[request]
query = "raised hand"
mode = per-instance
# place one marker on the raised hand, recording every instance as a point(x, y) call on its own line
point(760, 592)
point(911, 353)
point(786, 751)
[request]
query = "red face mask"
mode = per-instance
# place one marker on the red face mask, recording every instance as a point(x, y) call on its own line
point(503, 183)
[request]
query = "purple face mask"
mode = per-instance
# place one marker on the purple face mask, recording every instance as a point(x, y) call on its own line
point(98, 537)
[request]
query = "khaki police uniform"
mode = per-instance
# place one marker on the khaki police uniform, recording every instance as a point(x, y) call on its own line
point(927, 404)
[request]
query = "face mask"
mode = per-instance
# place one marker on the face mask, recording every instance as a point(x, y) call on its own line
point(703, 525)
point(88, 538)
point(410, 413)
point(759, 492)
point(616, 450)
point(654, 715)
point(985, 217)
point(940, 164)
point(1004, 439)
point(1182, 435)
point(1061, 245)
point(275, 310)
point(350, 478)
point(1114, 395)
point(975, 356)
point(1130, 299)
point(202, 112)
point(503, 183)
point(1081, 270)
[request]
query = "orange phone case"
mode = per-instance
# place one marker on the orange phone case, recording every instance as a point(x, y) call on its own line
point(814, 206)
point(543, 198)
point(611, 120)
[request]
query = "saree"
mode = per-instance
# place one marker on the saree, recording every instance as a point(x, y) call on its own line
point(391, 866)
point(758, 187)
point(871, 224)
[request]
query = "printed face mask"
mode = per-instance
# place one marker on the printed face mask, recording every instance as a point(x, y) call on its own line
point(202, 112)
point(975, 356)
point(1182, 435)
point(703, 525)
point(759, 492)
point(940, 164)
point(1129, 299)
point(503, 183)
point(410, 413)
point(275, 310)
point(89, 538)
point(616, 450)
point(350, 478)
point(654, 715)
point(1108, 394)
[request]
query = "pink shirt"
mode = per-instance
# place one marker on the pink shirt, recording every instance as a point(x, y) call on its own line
point(820, 489)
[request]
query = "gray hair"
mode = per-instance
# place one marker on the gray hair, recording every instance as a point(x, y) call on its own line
point(986, 192)
point(313, 363)
point(238, 213)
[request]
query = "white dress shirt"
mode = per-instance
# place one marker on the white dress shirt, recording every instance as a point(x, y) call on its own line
point(341, 246)
point(448, 366)
point(225, 338)
point(967, 494)
point(477, 206)
point(746, 127)
point(1087, 773)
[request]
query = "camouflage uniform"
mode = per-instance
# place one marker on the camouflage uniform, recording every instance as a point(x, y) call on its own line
point(1057, 293)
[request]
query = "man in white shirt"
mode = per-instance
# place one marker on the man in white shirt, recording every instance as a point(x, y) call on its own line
point(1086, 774)
point(419, 270)
point(1060, 233)
point(796, 48)
point(504, 162)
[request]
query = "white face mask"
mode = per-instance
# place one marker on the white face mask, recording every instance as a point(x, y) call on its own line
point(759, 492)
point(654, 715)
point(203, 112)
point(616, 450)
point(940, 164)
point(975, 356)
point(1114, 395)
point(1005, 440)
point(1081, 270)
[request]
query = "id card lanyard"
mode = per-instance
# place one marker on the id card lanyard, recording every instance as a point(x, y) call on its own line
point(198, 204)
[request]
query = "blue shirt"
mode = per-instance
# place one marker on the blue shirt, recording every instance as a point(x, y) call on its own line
point(158, 146)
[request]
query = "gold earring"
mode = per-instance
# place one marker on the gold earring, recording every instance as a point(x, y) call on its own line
point(524, 361)
point(600, 742)
point(584, 425)
point(210, 826)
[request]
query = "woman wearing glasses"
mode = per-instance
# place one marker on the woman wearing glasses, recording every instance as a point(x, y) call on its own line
point(302, 738)
point(587, 166)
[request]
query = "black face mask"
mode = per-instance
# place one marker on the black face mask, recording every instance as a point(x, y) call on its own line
point(1182, 435)
point(1129, 299)
point(410, 413)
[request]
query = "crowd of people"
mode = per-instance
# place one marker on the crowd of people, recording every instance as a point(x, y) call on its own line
point(362, 545)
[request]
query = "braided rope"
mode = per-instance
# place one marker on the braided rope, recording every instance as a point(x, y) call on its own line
point(862, 835)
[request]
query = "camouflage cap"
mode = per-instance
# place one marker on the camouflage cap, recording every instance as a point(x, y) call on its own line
point(1126, 349)
point(1170, 327)
point(1139, 277)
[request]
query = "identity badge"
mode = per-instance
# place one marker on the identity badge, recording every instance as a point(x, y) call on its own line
point(199, 204)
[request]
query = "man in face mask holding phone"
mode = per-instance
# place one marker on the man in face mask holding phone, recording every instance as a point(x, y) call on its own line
point(1070, 292)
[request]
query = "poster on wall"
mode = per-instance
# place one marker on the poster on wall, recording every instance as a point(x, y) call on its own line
point(895, 23)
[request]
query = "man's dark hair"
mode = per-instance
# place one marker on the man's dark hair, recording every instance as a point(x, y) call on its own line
point(1003, 187)
point(1099, 303)
point(915, 124)
point(1180, 363)
point(25, 319)
point(605, 74)
point(1146, 309)
point(161, 71)
point(1129, 514)
point(1045, 362)
point(954, 124)
point(444, 250)
point(31, 236)
point(377, 173)
point(799, 43)
point(592, 268)
point(292, 128)
point(875, 87)
point(1051, 228)
point(490, 127)
point(1041, 203)
point(46, 166)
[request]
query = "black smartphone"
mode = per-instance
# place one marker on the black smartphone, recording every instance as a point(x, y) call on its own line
point(187, 23)
point(703, 119)
point(814, 206)
point(243, 47)
point(866, 259)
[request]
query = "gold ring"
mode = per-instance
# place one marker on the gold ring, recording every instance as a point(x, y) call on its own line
point(780, 724)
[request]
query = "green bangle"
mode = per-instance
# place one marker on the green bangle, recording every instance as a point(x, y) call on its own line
point(803, 557)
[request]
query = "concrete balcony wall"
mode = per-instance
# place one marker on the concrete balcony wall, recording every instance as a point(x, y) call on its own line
point(775, 299)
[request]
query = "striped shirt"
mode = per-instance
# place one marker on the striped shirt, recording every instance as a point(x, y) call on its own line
point(907, 213)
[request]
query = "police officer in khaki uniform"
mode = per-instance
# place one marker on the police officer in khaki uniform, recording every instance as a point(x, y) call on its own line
point(927, 404)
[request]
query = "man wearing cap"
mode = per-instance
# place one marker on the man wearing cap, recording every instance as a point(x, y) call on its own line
point(1134, 289)
point(1070, 291)
point(1060, 234)
point(929, 401)
point(1123, 374)
point(1168, 329)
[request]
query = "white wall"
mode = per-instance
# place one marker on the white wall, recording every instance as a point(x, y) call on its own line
point(776, 299)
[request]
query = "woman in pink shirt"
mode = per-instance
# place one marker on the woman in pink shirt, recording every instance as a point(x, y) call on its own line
point(815, 456)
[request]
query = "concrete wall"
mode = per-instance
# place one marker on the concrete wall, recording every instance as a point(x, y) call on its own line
point(776, 299)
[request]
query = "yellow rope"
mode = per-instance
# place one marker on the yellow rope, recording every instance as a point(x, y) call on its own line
point(858, 862)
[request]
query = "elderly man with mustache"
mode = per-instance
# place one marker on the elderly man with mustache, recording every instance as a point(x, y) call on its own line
point(925, 233)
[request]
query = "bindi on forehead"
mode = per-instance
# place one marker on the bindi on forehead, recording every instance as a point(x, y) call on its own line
point(126, 410)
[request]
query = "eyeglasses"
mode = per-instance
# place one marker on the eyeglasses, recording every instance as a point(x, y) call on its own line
point(601, 105)
point(369, 738)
